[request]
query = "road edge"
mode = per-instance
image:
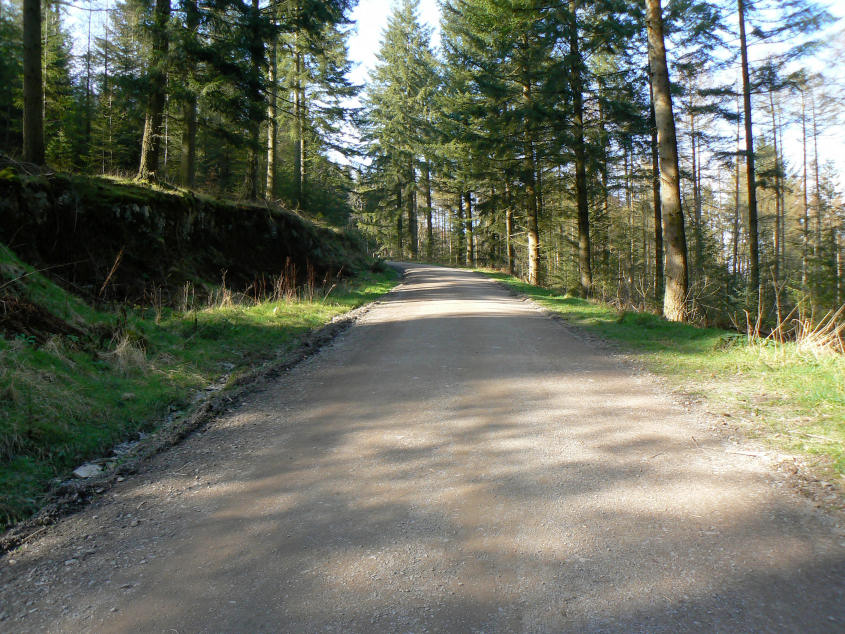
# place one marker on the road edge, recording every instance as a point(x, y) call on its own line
point(71, 496)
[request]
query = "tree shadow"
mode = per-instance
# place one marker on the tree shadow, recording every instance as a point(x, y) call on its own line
point(469, 470)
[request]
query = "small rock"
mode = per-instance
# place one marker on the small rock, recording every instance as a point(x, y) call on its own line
point(12, 562)
point(127, 396)
point(134, 523)
point(70, 562)
point(88, 470)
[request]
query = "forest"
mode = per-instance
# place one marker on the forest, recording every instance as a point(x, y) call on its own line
point(659, 157)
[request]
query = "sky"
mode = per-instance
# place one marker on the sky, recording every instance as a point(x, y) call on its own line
point(370, 17)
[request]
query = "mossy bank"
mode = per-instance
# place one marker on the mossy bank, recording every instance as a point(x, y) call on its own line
point(82, 370)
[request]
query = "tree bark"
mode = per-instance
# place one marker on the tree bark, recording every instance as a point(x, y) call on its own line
point(272, 123)
point(576, 86)
point(750, 174)
point(532, 224)
point(696, 194)
point(470, 254)
point(33, 113)
point(411, 203)
point(655, 190)
point(509, 228)
point(187, 164)
point(299, 124)
point(778, 210)
point(399, 230)
point(805, 230)
point(676, 276)
point(151, 141)
point(257, 57)
point(461, 250)
point(429, 228)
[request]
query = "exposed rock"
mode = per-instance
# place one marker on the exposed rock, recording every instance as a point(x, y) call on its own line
point(88, 470)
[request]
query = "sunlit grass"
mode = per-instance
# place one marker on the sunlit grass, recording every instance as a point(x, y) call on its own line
point(72, 398)
point(789, 398)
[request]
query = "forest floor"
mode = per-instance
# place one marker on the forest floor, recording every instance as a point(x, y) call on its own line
point(456, 461)
point(788, 396)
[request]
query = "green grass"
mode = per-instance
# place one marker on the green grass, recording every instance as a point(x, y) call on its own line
point(791, 399)
point(73, 398)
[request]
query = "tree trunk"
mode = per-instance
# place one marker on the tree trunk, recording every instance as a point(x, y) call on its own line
point(532, 223)
point(33, 113)
point(399, 230)
point(778, 210)
point(470, 255)
point(299, 126)
point(461, 250)
point(187, 164)
point(576, 86)
point(411, 202)
point(805, 230)
point(429, 229)
point(818, 195)
point(272, 123)
point(187, 167)
point(509, 228)
point(696, 194)
point(674, 298)
point(257, 57)
point(750, 175)
point(151, 141)
point(655, 191)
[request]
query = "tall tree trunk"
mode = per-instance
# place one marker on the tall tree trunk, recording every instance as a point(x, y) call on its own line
point(429, 229)
point(532, 222)
point(750, 175)
point(151, 141)
point(188, 162)
point(674, 298)
point(88, 91)
point(577, 87)
point(411, 203)
point(805, 230)
point(778, 210)
point(33, 113)
point(737, 188)
point(272, 123)
point(399, 230)
point(470, 255)
point(509, 228)
point(461, 250)
point(107, 93)
point(818, 194)
point(257, 57)
point(299, 126)
point(187, 167)
point(696, 193)
point(655, 192)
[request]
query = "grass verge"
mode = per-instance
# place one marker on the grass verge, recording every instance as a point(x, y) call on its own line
point(70, 397)
point(791, 399)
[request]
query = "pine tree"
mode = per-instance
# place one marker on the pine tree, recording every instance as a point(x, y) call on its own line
point(676, 276)
point(397, 118)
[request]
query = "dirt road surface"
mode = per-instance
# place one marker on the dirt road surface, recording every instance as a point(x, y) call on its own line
point(455, 462)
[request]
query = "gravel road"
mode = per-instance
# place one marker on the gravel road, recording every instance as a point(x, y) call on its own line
point(455, 462)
